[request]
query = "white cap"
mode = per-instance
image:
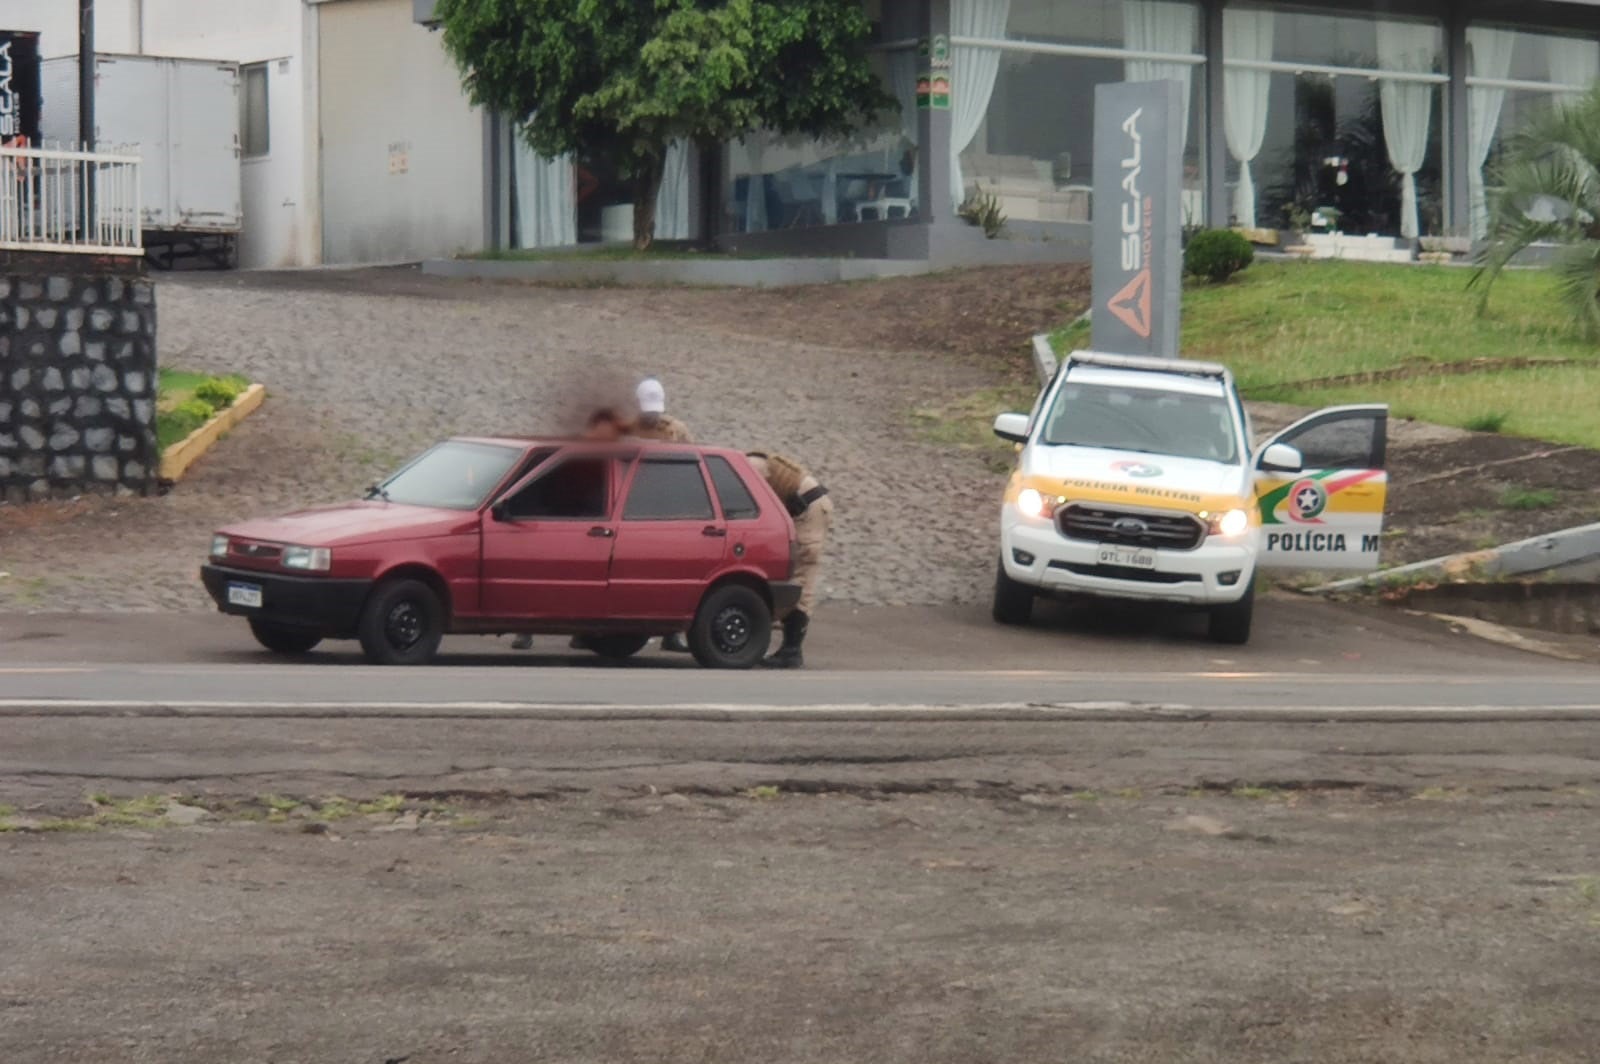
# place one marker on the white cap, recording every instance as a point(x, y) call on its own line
point(652, 397)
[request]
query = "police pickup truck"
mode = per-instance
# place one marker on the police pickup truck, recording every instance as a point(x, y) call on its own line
point(1136, 480)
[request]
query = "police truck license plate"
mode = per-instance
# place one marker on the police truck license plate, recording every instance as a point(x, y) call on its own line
point(1128, 557)
point(248, 595)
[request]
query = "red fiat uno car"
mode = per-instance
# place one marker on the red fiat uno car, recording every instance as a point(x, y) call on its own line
point(615, 542)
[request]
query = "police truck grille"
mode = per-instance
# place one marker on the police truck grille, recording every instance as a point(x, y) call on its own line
point(1128, 528)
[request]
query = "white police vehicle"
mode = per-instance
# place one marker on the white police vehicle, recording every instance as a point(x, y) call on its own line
point(1136, 480)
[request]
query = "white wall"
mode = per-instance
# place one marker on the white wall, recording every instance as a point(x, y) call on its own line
point(278, 190)
point(390, 95)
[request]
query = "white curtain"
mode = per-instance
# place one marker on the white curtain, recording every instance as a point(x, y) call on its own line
point(1246, 35)
point(1491, 58)
point(1574, 61)
point(672, 201)
point(547, 198)
point(755, 196)
point(1407, 106)
point(1160, 26)
point(903, 79)
point(972, 72)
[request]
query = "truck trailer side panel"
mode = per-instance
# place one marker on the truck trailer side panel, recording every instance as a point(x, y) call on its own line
point(180, 116)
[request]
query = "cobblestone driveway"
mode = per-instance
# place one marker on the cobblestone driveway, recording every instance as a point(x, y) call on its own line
point(365, 368)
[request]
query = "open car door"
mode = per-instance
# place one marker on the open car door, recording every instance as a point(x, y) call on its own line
point(1328, 513)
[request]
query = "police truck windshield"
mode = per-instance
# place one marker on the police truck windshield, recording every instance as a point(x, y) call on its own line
point(1143, 420)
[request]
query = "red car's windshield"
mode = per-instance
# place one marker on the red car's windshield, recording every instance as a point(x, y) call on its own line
point(453, 476)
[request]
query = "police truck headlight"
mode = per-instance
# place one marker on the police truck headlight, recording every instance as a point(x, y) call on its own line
point(311, 559)
point(1231, 523)
point(1037, 505)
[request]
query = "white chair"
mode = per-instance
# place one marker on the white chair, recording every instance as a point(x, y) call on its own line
point(883, 208)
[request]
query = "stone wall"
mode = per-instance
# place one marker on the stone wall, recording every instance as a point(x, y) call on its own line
point(77, 382)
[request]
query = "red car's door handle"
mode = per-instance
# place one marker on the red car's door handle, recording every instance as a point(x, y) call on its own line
point(601, 532)
point(713, 530)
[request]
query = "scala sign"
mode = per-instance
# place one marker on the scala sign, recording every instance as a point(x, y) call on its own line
point(1138, 171)
point(19, 88)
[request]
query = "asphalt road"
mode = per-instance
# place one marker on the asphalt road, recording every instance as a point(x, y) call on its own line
point(1363, 836)
point(1309, 658)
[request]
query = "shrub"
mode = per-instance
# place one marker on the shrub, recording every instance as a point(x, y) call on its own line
point(218, 393)
point(1491, 421)
point(1217, 254)
point(173, 425)
point(983, 209)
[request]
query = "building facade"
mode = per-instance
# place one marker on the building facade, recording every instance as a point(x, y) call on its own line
point(356, 144)
point(1382, 118)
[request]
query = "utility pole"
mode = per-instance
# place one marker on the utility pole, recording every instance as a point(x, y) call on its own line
point(86, 109)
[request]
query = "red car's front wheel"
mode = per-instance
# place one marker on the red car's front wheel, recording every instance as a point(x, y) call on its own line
point(402, 624)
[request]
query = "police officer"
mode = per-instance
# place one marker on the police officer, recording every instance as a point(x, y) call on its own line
point(654, 422)
point(807, 502)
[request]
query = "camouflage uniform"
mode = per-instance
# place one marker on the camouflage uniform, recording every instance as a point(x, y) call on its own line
point(808, 503)
point(662, 427)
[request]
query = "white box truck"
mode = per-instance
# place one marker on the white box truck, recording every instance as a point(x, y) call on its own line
point(181, 117)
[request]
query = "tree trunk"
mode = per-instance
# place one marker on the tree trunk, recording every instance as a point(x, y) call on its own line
point(646, 186)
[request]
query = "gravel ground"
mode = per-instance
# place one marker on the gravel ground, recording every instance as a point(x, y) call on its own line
point(1319, 928)
point(365, 368)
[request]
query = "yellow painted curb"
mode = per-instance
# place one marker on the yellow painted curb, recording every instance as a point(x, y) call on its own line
point(176, 460)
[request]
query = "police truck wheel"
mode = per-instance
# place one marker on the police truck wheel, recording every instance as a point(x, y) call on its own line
point(1231, 623)
point(615, 647)
point(732, 628)
point(284, 638)
point(1013, 601)
point(402, 624)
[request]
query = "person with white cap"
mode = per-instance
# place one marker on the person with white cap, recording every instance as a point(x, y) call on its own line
point(654, 422)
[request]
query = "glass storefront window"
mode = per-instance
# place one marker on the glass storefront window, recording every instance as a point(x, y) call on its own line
point(776, 182)
point(1031, 146)
point(1034, 151)
point(1334, 122)
point(1515, 76)
point(1103, 23)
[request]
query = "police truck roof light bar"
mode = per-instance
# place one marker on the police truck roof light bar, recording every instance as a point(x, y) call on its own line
point(1176, 366)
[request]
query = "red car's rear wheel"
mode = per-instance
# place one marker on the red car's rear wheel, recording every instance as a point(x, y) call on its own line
point(732, 628)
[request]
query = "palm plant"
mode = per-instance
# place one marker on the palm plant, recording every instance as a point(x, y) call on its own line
point(1549, 193)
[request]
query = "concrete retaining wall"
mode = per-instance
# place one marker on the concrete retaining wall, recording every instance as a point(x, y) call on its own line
point(1571, 608)
point(77, 383)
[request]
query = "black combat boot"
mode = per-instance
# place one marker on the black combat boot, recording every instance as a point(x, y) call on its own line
point(788, 656)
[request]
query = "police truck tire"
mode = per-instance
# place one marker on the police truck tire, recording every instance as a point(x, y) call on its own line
point(1013, 601)
point(284, 638)
point(615, 647)
point(732, 628)
point(1231, 623)
point(401, 624)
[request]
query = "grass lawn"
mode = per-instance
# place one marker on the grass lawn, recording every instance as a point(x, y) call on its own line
point(178, 410)
point(1287, 328)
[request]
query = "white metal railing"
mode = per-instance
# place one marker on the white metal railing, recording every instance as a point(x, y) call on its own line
point(44, 206)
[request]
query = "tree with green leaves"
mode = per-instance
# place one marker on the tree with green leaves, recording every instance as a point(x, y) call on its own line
point(621, 80)
point(1549, 193)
